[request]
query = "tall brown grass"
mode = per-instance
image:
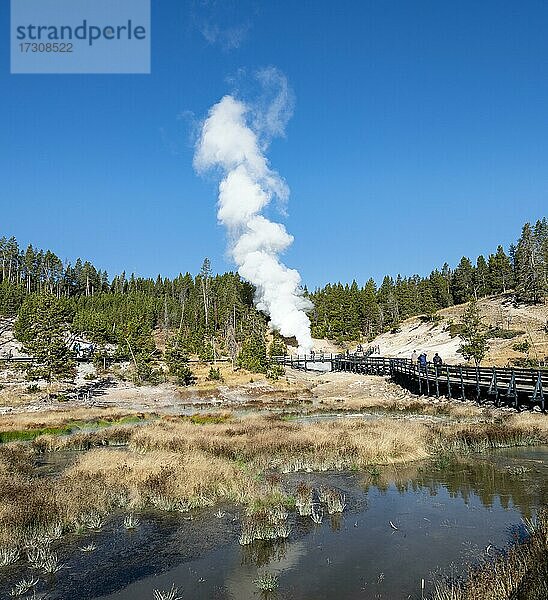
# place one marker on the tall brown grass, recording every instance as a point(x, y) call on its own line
point(58, 418)
point(175, 463)
point(519, 574)
point(269, 442)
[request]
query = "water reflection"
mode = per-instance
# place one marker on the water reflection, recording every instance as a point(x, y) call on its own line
point(401, 525)
point(509, 478)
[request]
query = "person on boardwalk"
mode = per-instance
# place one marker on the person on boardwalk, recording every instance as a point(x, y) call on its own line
point(414, 357)
point(437, 360)
point(422, 361)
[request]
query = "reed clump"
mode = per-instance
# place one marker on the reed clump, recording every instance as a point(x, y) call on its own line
point(160, 479)
point(114, 435)
point(265, 524)
point(520, 573)
point(59, 418)
point(479, 437)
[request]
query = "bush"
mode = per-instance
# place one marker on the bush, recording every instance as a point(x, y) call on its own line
point(101, 360)
point(33, 388)
point(454, 329)
point(522, 346)
point(505, 334)
point(431, 318)
point(147, 372)
point(275, 371)
point(215, 375)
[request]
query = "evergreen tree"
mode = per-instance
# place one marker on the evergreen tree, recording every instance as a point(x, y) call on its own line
point(370, 310)
point(530, 271)
point(42, 327)
point(481, 278)
point(252, 355)
point(500, 272)
point(177, 361)
point(277, 347)
point(474, 345)
point(463, 281)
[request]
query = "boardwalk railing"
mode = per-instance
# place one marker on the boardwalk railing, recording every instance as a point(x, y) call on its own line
point(513, 387)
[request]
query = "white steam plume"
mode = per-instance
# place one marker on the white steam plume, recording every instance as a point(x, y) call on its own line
point(228, 141)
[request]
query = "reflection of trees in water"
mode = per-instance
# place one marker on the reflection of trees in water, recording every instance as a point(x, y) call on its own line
point(335, 521)
point(262, 552)
point(489, 481)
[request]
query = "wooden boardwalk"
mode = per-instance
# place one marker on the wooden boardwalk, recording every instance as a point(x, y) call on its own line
point(518, 388)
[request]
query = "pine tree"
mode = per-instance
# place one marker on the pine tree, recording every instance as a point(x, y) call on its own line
point(42, 327)
point(252, 355)
point(500, 272)
point(277, 347)
point(388, 304)
point(475, 344)
point(463, 281)
point(529, 267)
point(481, 278)
point(177, 361)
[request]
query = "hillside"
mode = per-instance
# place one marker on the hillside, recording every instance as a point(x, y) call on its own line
point(527, 322)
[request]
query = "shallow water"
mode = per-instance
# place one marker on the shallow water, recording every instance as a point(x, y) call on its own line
point(401, 525)
point(370, 416)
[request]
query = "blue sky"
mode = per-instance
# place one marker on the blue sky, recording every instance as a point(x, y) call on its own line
point(419, 134)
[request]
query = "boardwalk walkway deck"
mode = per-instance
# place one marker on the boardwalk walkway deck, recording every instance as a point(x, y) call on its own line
point(519, 388)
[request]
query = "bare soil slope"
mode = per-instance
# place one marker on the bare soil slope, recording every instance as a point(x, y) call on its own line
point(499, 311)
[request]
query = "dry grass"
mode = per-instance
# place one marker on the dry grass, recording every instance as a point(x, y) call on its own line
point(268, 442)
point(408, 405)
point(109, 436)
point(239, 377)
point(514, 430)
point(102, 481)
point(59, 418)
point(193, 478)
point(530, 422)
point(519, 574)
point(177, 463)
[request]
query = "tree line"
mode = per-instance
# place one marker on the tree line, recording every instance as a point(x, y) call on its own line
point(207, 315)
point(349, 312)
point(210, 315)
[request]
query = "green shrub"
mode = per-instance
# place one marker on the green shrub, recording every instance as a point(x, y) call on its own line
point(147, 372)
point(215, 374)
point(431, 318)
point(505, 334)
point(275, 371)
point(454, 329)
point(252, 356)
point(522, 346)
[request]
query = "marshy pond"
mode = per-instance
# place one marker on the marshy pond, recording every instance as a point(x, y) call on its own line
point(402, 528)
